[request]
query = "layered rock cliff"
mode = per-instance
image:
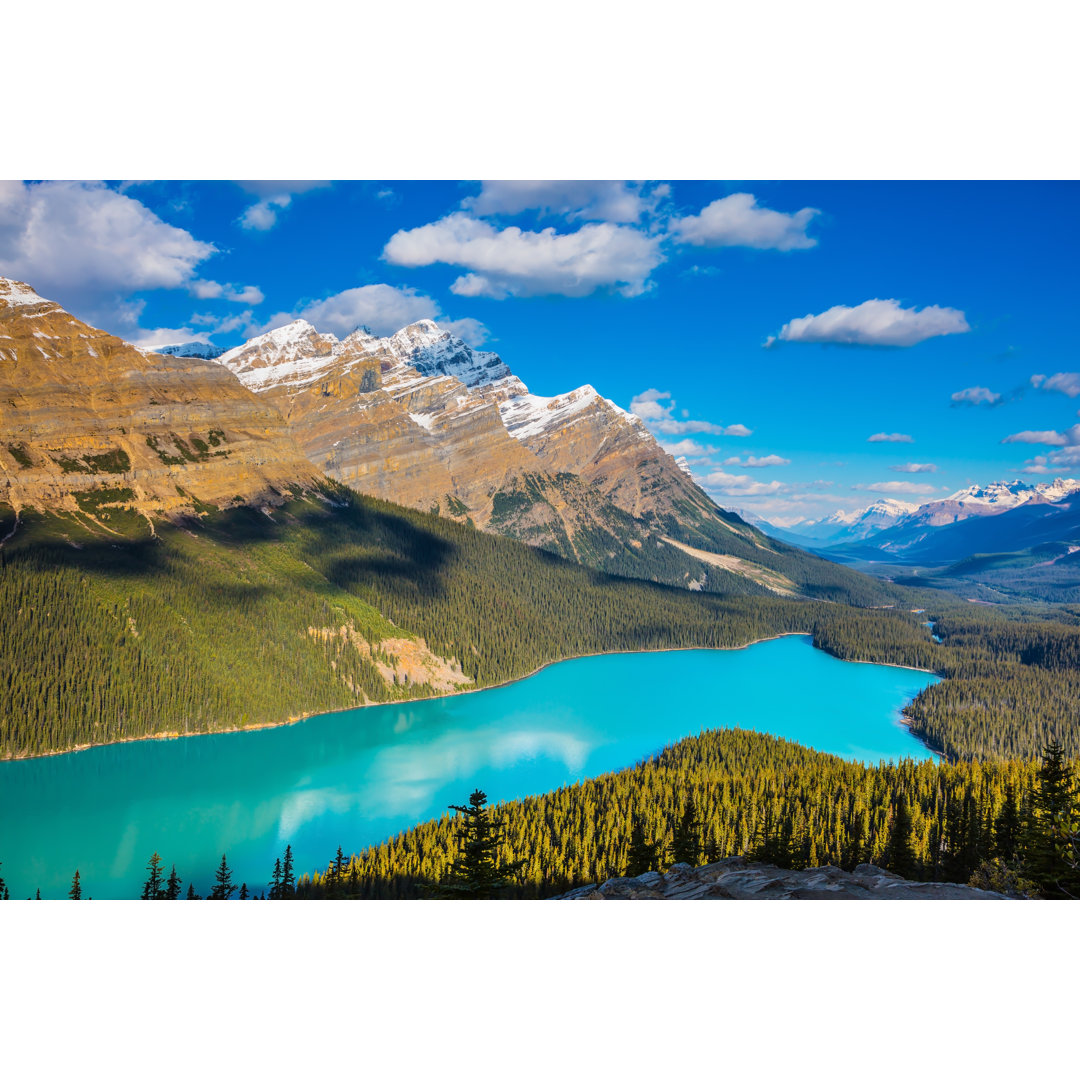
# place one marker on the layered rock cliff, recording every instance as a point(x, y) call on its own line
point(739, 879)
point(88, 421)
point(424, 420)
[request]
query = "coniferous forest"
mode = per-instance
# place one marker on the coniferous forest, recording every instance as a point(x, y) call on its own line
point(127, 635)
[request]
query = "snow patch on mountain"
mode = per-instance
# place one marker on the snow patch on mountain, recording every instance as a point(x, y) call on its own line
point(19, 294)
point(200, 349)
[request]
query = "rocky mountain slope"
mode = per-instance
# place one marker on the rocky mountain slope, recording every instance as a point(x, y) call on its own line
point(88, 422)
point(424, 420)
point(739, 879)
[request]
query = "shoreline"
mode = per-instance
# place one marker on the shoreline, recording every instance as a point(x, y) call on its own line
point(166, 735)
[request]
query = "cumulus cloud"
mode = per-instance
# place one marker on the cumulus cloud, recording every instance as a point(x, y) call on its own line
point(914, 467)
point(896, 487)
point(976, 395)
point(649, 405)
point(214, 290)
point(593, 200)
point(739, 221)
point(882, 436)
point(515, 262)
point(273, 195)
point(752, 462)
point(874, 322)
point(685, 448)
point(730, 484)
point(1046, 438)
point(1064, 382)
point(155, 339)
point(384, 309)
point(84, 243)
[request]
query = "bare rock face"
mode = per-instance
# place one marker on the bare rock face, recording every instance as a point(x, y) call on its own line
point(422, 419)
point(87, 419)
point(739, 879)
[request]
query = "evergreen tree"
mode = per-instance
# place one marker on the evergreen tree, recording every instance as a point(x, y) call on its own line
point(3, 888)
point(275, 880)
point(172, 886)
point(243, 890)
point(475, 873)
point(335, 876)
point(192, 894)
point(899, 852)
point(38, 896)
point(223, 887)
point(288, 878)
point(1053, 821)
point(642, 855)
point(152, 889)
point(686, 842)
point(75, 892)
point(1008, 826)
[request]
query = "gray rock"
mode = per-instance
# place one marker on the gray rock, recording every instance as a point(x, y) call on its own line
point(738, 878)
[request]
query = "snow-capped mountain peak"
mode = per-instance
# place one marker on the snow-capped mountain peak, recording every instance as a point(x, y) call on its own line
point(201, 349)
point(1001, 494)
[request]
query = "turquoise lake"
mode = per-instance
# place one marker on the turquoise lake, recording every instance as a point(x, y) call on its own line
point(358, 777)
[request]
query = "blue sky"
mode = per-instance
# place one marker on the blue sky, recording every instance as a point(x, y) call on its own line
point(765, 330)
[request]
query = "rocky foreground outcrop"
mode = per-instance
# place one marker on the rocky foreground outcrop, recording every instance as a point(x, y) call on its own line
point(740, 879)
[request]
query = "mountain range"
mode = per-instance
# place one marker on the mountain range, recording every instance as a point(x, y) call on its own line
point(93, 426)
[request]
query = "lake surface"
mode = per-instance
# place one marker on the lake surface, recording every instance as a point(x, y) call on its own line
point(358, 777)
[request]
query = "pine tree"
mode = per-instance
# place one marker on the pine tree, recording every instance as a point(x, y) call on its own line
point(223, 887)
point(152, 889)
point(75, 892)
point(1008, 826)
point(642, 855)
point(475, 874)
point(275, 880)
point(686, 842)
point(172, 886)
point(38, 896)
point(3, 888)
point(1051, 856)
point(335, 876)
point(192, 894)
point(243, 890)
point(288, 878)
point(899, 851)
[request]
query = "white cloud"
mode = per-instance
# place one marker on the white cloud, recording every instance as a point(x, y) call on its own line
point(685, 448)
point(214, 290)
point(914, 467)
point(1064, 382)
point(515, 262)
point(648, 405)
point(752, 462)
point(976, 395)
point(154, 339)
point(83, 244)
point(1046, 438)
point(273, 195)
point(593, 200)
point(738, 221)
point(722, 483)
point(896, 487)
point(881, 436)
point(875, 322)
point(384, 309)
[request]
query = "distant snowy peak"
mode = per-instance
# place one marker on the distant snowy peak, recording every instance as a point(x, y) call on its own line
point(1058, 489)
point(886, 510)
point(200, 349)
point(1002, 495)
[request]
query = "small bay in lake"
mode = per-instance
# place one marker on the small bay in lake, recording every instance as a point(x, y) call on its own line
point(355, 778)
